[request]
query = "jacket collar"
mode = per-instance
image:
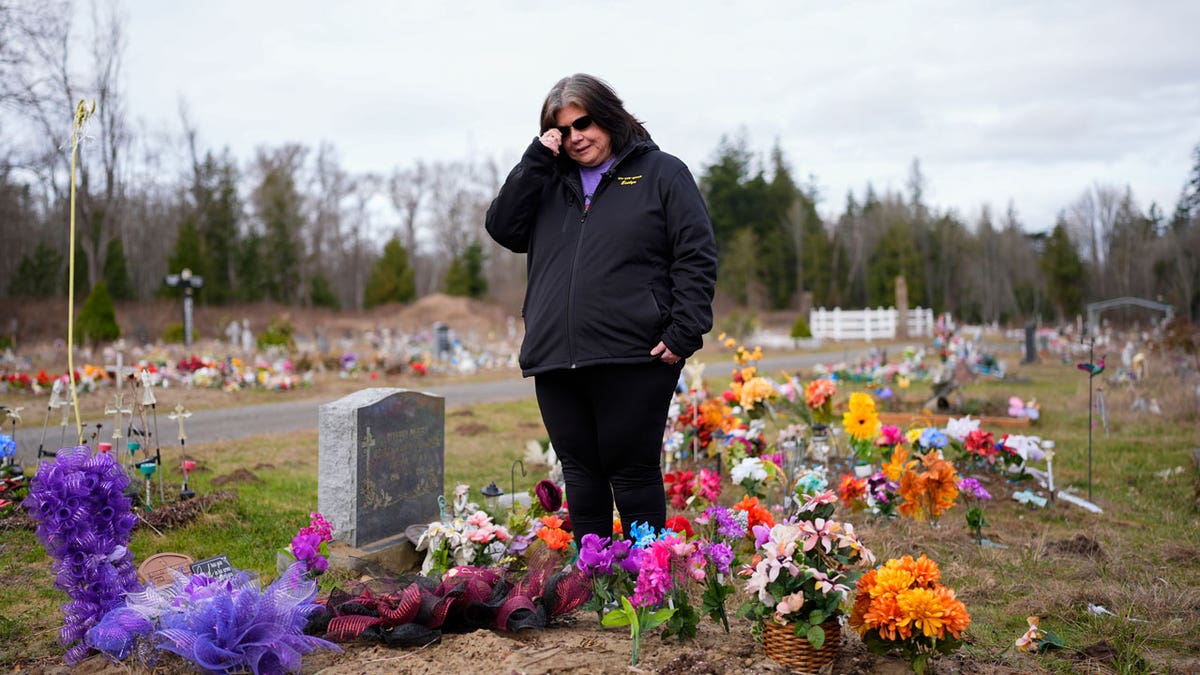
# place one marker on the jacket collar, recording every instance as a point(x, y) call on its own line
point(569, 171)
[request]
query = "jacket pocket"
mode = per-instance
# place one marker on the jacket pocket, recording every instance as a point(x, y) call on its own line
point(658, 308)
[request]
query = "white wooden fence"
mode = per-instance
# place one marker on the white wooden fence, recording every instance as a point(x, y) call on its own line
point(868, 324)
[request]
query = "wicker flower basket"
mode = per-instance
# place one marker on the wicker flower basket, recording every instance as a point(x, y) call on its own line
point(795, 653)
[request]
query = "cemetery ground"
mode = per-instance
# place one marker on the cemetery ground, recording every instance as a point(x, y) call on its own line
point(1139, 560)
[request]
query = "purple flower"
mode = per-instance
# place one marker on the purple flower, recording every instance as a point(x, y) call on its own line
point(974, 489)
point(595, 555)
point(720, 555)
point(762, 534)
point(727, 524)
point(630, 563)
point(518, 544)
point(307, 549)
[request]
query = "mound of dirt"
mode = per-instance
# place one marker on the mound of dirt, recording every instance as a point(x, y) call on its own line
point(239, 476)
point(1080, 545)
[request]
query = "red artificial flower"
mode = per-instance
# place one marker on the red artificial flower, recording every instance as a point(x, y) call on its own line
point(681, 525)
point(680, 486)
point(983, 444)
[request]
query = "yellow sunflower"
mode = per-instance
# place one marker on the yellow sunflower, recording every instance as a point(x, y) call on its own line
point(862, 424)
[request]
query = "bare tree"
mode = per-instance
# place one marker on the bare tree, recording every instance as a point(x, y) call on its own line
point(47, 91)
point(409, 190)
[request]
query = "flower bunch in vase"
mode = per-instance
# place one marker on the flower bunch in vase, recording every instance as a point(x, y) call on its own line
point(802, 570)
point(818, 396)
point(902, 607)
point(474, 540)
point(861, 422)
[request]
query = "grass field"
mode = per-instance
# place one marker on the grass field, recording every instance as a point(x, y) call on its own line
point(1139, 559)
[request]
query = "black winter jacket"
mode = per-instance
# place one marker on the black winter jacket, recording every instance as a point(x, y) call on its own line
point(606, 284)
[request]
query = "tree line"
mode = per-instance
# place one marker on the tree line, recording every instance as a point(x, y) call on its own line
point(777, 252)
point(292, 225)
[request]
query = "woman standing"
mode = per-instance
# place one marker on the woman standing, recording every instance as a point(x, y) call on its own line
point(621, 269)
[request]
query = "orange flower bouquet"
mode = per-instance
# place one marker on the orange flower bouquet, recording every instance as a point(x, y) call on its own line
point(901, 607)
point(929, 486)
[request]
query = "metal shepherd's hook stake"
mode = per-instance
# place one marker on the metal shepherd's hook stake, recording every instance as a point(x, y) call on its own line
point(512, 474)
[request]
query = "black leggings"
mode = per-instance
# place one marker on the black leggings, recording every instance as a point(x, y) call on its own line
point(606, 424)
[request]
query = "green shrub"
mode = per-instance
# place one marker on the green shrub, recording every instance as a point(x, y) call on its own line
point(278, 334)
point(173, 333)
point(800, 328)
point(97, 320)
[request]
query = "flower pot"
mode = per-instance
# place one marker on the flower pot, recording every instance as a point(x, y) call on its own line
point(863, 470)
point(795, 653)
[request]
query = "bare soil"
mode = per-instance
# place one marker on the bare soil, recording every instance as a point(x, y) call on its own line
point(580, 645)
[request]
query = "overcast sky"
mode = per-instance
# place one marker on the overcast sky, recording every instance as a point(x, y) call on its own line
point(1025, 101)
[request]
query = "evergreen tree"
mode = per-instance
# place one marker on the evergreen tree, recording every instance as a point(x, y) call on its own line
point(39, 273)
point(116, 276)
point(97, 320)
point(82, 273)
point(321, 293)
point(1064, 272)
point(391, 277)
point(896, 255)
point(248, 268)
point(465, 277)
point(278, 207)
point(219, 221)
point(188, 254)
point(737, 201)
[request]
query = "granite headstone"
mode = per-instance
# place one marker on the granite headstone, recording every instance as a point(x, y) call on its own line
point(381, 463)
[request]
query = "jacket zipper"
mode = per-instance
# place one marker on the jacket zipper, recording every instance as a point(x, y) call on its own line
point(587, 208)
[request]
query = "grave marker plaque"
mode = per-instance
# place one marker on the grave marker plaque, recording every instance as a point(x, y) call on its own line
point(218, 567)
point(381, 463)
point(157, 568)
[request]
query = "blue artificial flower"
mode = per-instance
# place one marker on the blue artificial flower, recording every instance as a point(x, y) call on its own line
point(642, 534)
point(7, 445)
point(933, 438)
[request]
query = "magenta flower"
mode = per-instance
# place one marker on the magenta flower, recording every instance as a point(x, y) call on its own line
point(654, 575)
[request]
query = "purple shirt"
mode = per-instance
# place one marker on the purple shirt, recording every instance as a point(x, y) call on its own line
point(590, 178)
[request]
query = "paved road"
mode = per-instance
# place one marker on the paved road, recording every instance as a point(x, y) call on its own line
point(206, 426)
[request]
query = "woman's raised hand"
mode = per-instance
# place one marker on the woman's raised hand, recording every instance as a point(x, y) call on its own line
point(552, 139)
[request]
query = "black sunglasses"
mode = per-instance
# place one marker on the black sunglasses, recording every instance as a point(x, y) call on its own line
point(579, 124)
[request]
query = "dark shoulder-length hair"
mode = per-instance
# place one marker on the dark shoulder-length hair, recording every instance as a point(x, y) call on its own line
point(602, 105)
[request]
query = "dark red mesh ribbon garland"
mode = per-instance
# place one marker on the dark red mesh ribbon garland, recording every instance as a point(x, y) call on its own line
point(413, 611)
